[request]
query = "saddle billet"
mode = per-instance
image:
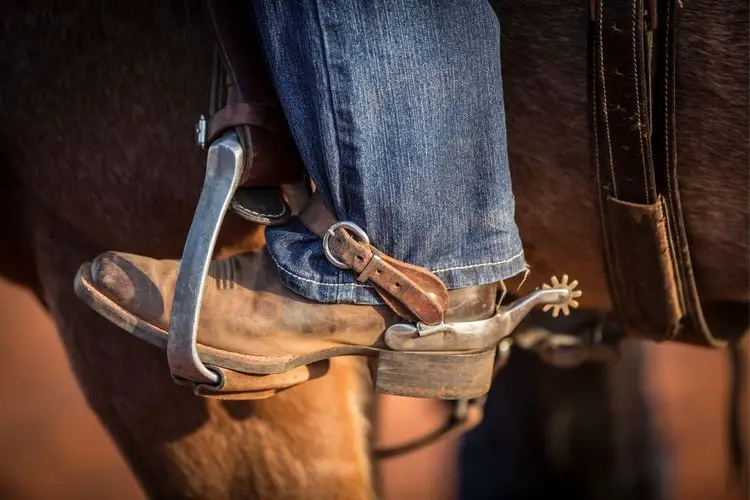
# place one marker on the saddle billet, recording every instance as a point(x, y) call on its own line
point(632, 51)
point(650, 273)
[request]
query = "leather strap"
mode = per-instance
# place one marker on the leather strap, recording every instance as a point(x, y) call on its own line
point(243, 98)
point(412, 292)
point(241, 84)
point(244, 386)
point(634, 142)
point(464, 416)
point(241, 113)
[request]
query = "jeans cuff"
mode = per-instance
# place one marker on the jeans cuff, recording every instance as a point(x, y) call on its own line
point(314, 278)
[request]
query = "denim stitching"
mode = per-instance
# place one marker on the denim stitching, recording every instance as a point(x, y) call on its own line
point(506, 261)
point(326, 53)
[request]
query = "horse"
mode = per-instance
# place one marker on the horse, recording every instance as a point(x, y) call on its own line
point(99, 101)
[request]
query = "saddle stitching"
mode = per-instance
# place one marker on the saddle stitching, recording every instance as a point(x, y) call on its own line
point(639, 102)
point(600, 23)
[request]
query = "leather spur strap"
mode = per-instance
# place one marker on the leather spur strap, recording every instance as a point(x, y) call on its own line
point(463, 417)
point(634, 143)
point(412, 292)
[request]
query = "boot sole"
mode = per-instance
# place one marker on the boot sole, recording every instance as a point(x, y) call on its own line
point(443, 375)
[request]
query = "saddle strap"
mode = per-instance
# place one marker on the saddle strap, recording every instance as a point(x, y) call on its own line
point(634, 142)
point(236, 114)
point(412, 292)
point(243, 98)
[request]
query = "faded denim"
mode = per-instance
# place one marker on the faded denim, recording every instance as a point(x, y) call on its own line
point(397, 109)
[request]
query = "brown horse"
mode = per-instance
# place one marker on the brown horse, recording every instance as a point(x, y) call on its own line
point(98, 102)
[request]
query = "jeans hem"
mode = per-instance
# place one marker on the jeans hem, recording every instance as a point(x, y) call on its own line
point(357, 293)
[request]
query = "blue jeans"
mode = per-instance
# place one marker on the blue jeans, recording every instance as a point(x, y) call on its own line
point(397, 109)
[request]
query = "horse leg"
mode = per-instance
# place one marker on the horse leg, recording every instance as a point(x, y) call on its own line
point(307, 442)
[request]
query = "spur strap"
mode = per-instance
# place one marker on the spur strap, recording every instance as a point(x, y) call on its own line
point(464, 416)
point(412, 292)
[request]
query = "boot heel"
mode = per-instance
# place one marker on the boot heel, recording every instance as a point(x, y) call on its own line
point(433, 375)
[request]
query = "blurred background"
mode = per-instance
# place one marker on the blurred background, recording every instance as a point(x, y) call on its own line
point(52, 446)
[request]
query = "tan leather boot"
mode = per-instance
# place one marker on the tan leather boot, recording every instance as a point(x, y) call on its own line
point(252, 324)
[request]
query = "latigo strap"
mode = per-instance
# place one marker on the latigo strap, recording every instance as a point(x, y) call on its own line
point(635, 161)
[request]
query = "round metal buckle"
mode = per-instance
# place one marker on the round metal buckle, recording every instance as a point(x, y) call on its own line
point(326, 238)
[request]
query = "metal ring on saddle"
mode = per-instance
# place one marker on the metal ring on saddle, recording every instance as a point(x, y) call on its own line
point(331, 232)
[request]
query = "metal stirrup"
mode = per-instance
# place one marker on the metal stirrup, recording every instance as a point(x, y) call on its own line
point(224, 169)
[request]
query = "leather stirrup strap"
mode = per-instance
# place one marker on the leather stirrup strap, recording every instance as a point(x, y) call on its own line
point(236, 114)
point(243, 98)
point(412, 292)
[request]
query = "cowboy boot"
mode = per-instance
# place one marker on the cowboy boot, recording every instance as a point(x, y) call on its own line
point(255, 336)
point(252, 324)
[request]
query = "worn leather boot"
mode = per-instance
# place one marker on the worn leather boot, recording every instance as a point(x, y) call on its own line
point(252, 324)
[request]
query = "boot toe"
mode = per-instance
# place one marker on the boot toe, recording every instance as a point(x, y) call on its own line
point(126, 279)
